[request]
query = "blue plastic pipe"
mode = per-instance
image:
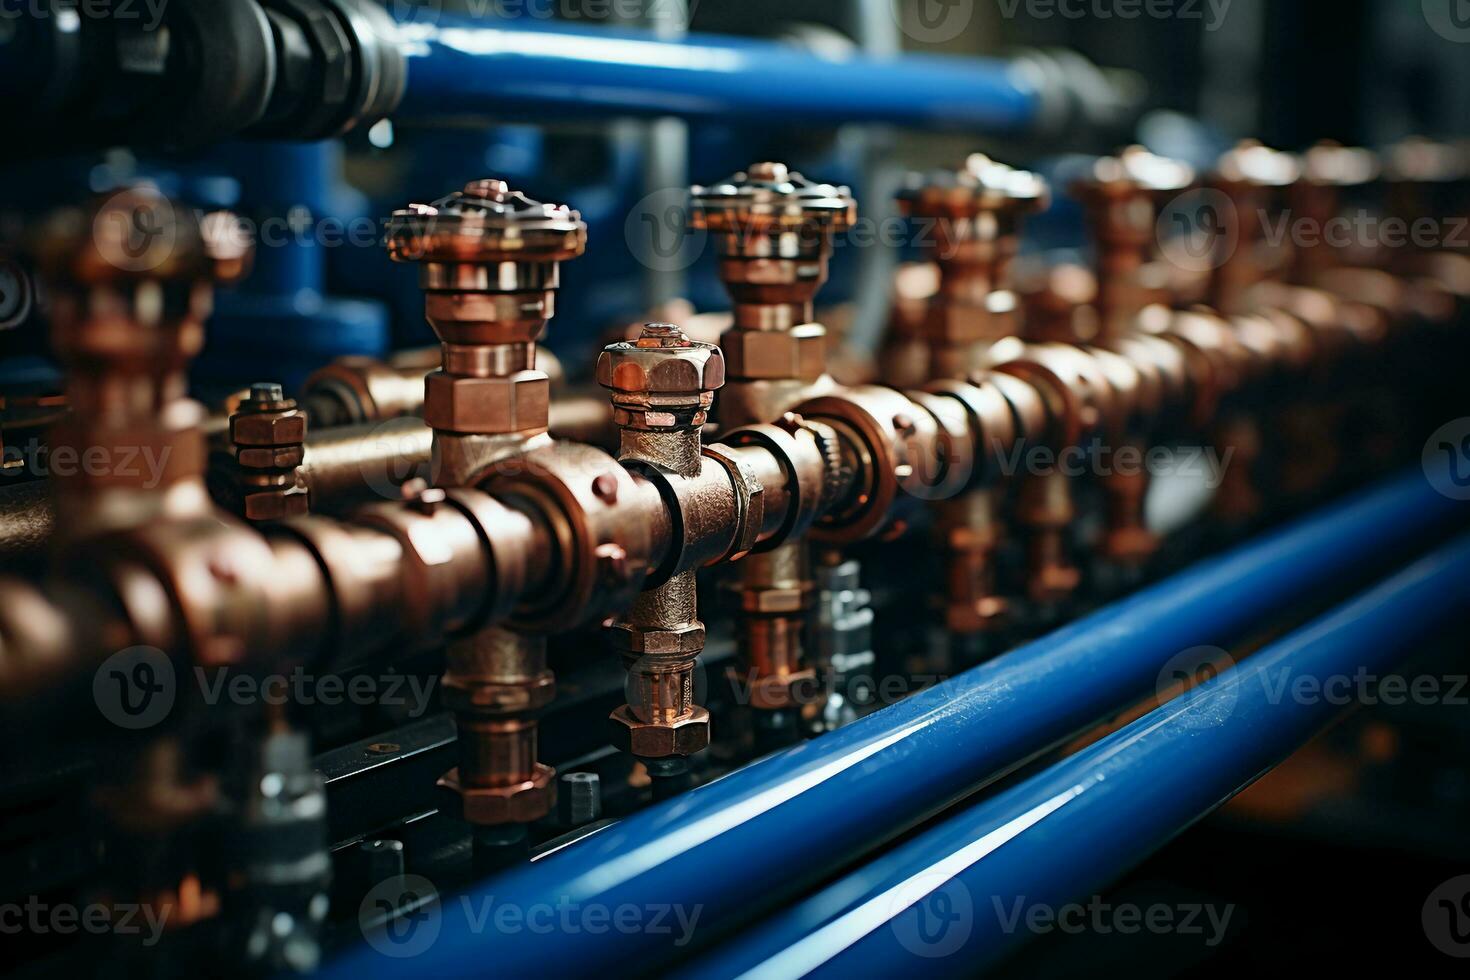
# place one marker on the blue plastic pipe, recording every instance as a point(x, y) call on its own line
point(470, 67)
point(959, 897)
point(729, 849)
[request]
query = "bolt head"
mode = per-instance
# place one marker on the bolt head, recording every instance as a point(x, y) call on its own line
point(662, 362)
point(659, 740)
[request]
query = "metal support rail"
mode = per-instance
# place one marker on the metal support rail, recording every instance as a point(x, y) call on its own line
point(743, 843)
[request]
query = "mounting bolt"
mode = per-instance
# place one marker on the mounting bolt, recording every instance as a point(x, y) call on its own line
point(267, 392)
point(579, 798)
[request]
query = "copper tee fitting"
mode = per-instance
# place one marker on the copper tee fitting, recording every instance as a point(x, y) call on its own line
point(972, 217)
point(662, 387)
point(773, 232)
point(772, 229)
point(489, 262)
point(1121, 196)
point(131, 283)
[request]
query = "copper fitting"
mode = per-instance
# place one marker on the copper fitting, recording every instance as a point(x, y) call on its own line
point(355, 389)
point(1327, 169)
point(268, 434)
point(662, 387)
point(1121, 196)
point(773, 231)
point(973, 217)
point(489, 260)
point(1252, 178)
point(130, 284)
point(1079, 401)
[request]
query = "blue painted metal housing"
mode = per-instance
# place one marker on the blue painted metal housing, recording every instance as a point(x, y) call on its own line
point(957, 898)
point(464, 67)
point(738, 845)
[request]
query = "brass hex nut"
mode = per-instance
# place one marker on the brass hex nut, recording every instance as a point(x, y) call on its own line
point(466, 694)
point(796, 353)
point(270, 457)
point(276, 428)
point(968, 322)
point(686, 639)
point(659, 740)
point(276, 505)
point(776, 601)
point(490, 805)
point(662, 361)
point(516, 403)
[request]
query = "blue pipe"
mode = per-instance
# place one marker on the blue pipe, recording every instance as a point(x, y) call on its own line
point(748, 840)
point(461, 66)
point(959, 897)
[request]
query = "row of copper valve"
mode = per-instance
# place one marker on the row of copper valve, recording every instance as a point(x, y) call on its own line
point(518, 534)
